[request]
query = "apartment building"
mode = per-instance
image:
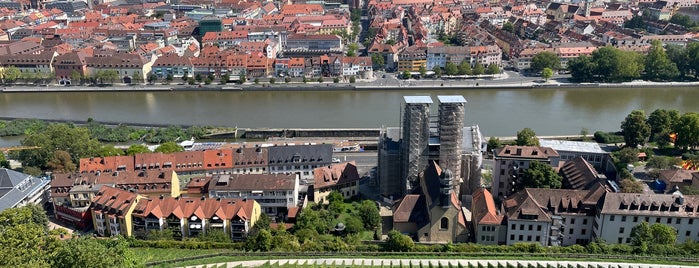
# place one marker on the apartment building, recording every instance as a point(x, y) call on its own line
point(488, 223)
point(111, 211)
point(299, 159)
point(189, 217)
point(510, 162)
point(342, 177)
point(276, 193)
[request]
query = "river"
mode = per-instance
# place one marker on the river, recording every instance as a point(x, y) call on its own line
point(499, 112)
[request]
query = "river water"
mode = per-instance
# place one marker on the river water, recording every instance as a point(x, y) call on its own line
point(499, 112)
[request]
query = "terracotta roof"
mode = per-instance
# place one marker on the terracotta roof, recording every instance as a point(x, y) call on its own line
point(407, 209)
point(335, 174)
point(521, 206)
point(203, 208)
point(483, 208)
point(677, 175)
point(113, 201)
point(578, 174)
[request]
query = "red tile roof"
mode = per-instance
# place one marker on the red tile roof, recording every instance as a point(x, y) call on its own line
point(483, 208)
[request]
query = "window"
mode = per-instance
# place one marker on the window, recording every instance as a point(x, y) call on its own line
point(530, 227)
point(513, 227)
point(521, 237)
point(572, 221)
point(584, 221)
point(623, 218)
point(669, 220)
point(619, 240)
point(635, 218)
point(678, 221)
point(691, 221)
point(611, 218)
point(571, 231)
point(444, 223)
point(688, 233)
point(583, 231)
point(521, 228)
point(512, 237)
point(621, 230)
point(529, 238)
point(538, 227)
point(628, 240)
point(657, 220)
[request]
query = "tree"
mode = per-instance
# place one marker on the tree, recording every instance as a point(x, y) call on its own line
point(684, 20)
point(627, 155)
point(636, 22)
point(137, 77)
point(3, 161)
point(451, 69)
point(10, 74)
point(225, 78)
point(207, 81)
point(527, 137)
point(465, 68)
point(658, 66)
point(614, 65)
point(406, 74)
point(631, 185)
point(242, 79)
point(546, 74)
point(398, 242)
point(680, 56)
point(508, 27)
point(582, 69)
point(645, 235)
point(661, 121)
point(168, 78)
point(185, 76)
point(478, 69)
point(423, 71)
point(137, 149)
point(545, 59)
point(90, 252)
point(687, 129)
point(437, 71)
point(198, 78)
point(635, 128)
point(23, 238)
point(378, 61)
point(539, 175)
point(493, 143)
point(272, 80)
point(261, 241)
point(75, 77)
point(153, 77)
point(369, 213)
point(352, 79)
point(492, 69)
point(110, 150)
point(169, 147)
point(60, 162)
point(257, 80)
point(74, 140)
point(352, 50)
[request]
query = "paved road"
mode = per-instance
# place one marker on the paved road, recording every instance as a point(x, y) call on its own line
point(435, 263)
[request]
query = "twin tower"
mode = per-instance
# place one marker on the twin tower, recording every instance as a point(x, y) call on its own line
point(426, 138)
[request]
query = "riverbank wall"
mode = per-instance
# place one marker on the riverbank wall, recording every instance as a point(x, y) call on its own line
point(309, 133)
point(315, 86)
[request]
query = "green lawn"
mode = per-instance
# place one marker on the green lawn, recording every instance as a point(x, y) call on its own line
point(162, 254)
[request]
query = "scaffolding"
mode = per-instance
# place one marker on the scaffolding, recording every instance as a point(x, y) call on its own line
point(451, 132)
point(415, 136)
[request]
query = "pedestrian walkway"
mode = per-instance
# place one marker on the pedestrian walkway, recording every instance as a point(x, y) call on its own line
point(434, 263)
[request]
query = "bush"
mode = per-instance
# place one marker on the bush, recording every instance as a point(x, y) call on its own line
point(606, 137)
point(336, 80)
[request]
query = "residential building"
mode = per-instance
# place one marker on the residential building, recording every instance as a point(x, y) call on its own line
point(342, 178)
point(552, 217)
point(620, 212)
point(18, 189)
point(67, 64)
point(578, 174)
point(127, 66)
point(189, 217)
point(488, 224)
point(310, 43)
point(299, 159)
point(172, 65)
point(353, 66)
point(30, 63)
point(511, 161)
point(600, 159)
point(433, 212)
point(276, 193)
point(412, 59)
point(111, 211)
point(677, 178)
point(439, 56)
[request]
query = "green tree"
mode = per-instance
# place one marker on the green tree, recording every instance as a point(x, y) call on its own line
point(110, 150)
point(242, 79)
point(683, 20)
point(137, 77)
point(261, 241)
point(451, 69)
point(545, 59)
point(207, 81)
point(437, 71)
point(493, 143)
point(465, 68)
point(527, 137)
point(137, 149)
point(680, 56)
point(378, 61)
point(627, 155)
point(406, 74)
point(631, 185)
point(635, 128)
point(645, 235)
point(539, 175)
point(90, 252)
point(478, 69)
point(352, 79)
point(658, 66)
point(74, 140)
point(352, 50)
point(61, 162)
point(582, 69)
point(398, 242)
point(546, 74)
point(661, 121)
point(492, 69)
point(23, 238)
point(614, 65)
point(75, 77)
point(423, 71)
point(169, 147)
point(10, 74)
point(636, 22)
point(508, 27)
point(687, 129)
point(225, 78)
point(153, 77)
point(168, 78)
point(185, 76)
point(369, 214)
point(198, 78)
point(3, 161)
point(320, 80)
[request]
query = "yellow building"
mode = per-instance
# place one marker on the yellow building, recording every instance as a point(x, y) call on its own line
point(342, 178)
point(412, 59)
point(111, 211)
